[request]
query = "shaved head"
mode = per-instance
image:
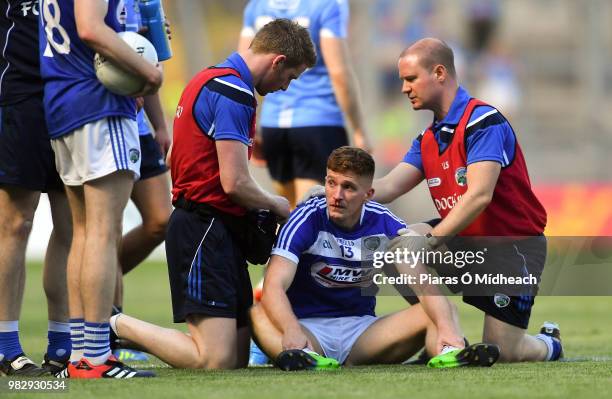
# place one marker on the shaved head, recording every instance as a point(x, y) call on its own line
point(431, 52)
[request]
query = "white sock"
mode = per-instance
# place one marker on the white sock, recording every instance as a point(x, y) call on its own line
point(113, 323)
point(549, 344)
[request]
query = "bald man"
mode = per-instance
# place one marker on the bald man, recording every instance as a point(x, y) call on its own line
point(478, 180)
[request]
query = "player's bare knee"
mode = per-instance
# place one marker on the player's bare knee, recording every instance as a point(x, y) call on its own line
point(156, 229)
point(218, 359)
point(17, 225)
point(257, 316)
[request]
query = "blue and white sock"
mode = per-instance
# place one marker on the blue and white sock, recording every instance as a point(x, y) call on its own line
point(10, 347)
point(77, 338)
point(553, 345)
point(97, 342)
point(59, 337)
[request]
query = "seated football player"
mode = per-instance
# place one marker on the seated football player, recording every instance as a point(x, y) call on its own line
point(314, 312)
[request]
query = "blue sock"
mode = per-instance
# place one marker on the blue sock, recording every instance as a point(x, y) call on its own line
point(59, 347)
point(97, 342)
point(77, 338)
point(10, 347)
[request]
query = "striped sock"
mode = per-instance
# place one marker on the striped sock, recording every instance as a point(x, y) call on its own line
point(553, 345)
point(97, 342)
point(10, 347)
point(77, 338)
point(59, 347)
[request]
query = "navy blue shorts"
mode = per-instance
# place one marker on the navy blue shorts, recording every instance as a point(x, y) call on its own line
point(152, 163)
point(26, 157)
point(208, 272)
point(512, 258)
point(300, 152)
point(520, 257)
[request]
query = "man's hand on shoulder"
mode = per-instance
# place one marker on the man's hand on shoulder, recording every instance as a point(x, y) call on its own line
point(280, 207)
point(314, 191)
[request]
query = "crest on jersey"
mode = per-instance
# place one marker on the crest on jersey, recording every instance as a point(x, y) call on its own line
point(340, 276)
point(461, 176)
point(134, 155)
point(371, 243)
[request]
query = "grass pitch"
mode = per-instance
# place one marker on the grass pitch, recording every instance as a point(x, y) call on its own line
point(586, 327)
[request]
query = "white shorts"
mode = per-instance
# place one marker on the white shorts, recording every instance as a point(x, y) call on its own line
point(98, 149)
point(337, 335)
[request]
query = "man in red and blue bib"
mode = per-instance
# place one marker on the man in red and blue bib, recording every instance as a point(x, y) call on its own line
point(212, 190)
point(478, 181)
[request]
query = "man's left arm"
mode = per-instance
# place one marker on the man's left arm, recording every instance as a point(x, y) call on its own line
point(155, 113)
point(482, 178)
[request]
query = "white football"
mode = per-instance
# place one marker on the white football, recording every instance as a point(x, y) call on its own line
point(117, 79)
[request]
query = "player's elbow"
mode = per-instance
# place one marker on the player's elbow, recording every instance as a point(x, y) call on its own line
point(339, 77)
point(89, 34)
point(482, 199)
point(231, 184)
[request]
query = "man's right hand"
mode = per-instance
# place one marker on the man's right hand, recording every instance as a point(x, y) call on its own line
point(152, 84)
point(294, 338)
point(280, 207)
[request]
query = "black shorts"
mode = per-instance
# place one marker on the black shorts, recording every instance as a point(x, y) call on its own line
point(26, 157)
point(511, 304)
point(300, 153)
point(152, 163)
point(208, 273)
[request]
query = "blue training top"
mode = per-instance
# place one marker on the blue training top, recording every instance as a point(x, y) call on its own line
point(489, 136)
point(225, 106)
point(310, 100)
point(73, 95)
point(334, 265)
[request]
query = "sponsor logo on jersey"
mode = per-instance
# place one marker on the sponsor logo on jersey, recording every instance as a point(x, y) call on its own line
point(501, 300)
point(447, 202)
point(339, 276)
point(461, 176)
point(29, 6)
point(434, 182)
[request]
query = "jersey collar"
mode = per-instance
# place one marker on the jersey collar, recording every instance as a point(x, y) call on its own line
point(456, 110)
point(236, 62)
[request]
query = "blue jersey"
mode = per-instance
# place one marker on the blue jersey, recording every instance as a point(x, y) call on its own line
point(334, 265)
point(73, 95)
point(310, 100)
point(489, 136)
point(132, 24)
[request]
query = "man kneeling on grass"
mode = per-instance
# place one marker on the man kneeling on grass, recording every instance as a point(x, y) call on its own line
point(314, 314)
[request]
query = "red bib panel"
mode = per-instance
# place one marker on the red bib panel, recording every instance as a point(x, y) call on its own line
point(514, 209)
point(194, 165)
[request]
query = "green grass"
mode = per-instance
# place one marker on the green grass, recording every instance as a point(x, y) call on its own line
point(586, 326)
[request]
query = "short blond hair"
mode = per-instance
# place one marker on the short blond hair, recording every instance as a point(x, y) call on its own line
point(353, 160)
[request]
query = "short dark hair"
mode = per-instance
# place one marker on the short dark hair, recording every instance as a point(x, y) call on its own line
point(283, 36)
point(351, 159)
